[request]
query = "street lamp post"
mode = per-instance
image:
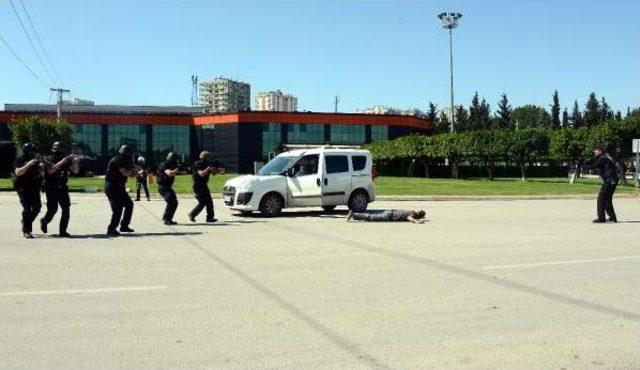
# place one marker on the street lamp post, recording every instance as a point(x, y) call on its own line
point(450, 21)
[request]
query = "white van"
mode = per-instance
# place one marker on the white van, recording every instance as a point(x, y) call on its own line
point(322, 177)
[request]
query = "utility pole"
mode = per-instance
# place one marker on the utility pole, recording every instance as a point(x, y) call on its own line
point(335, 102)
point(59, 91)
point(450, 21)
point(194, 90)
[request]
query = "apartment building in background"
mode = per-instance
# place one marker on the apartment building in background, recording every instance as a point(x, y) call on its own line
point(276, 101)
point(383, 109)
point(225, 95)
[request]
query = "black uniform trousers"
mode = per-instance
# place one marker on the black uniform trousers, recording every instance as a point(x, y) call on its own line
point(605, 199)
point(58, 196)
point(170, 197)
point(31, 205)
point(203, 196)
point(141, 182)
point(119, 201)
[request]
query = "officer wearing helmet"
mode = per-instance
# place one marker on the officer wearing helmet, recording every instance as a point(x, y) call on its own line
point(167, 172)
point(56, 176)
point(202, 169)
point(141, 179)
point(119, 168)
point(27, 182)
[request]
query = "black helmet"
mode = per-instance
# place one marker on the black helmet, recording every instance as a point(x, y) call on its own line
point(124, 150)
point(29, 148)
point(58, 147)
point(172, 157)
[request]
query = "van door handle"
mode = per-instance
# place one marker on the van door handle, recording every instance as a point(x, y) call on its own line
point(318, 181)
point(326, 181)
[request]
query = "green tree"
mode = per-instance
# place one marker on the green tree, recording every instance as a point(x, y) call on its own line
point(445, 125)
point(569, 145)
point(592, 112)
point(461, 119)
point(527, 145)
point(606, 113)
point(576, 116)
point(565, 118)
point(453, 146)
point(555, 111)
point(433, 117)
point(531, 116)
point(618, 116)
point(488, 147)
point(479, 114)
point(503, 116)
point(474, 113)
point(41, 131)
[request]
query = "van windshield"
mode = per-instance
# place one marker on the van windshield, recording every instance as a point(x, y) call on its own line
point(277, 165)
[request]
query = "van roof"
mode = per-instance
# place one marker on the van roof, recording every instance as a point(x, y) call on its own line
point(298, 152)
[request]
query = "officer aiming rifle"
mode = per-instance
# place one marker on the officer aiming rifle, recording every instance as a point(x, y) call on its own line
point(120, 167)
point(202, 170)
point(56, 177)
point(167, 172)
point(28, 169)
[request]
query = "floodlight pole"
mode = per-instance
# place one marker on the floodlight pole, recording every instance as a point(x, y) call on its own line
point(450, 21)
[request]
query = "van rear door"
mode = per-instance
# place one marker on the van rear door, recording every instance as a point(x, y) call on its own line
point(361, 165)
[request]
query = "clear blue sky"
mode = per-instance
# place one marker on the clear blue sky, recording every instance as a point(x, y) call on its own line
point(395, 53)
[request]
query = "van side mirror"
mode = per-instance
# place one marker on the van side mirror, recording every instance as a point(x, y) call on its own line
point(291, 172)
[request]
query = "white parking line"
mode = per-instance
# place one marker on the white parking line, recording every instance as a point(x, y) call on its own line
point(552, 263)
point(84, 291)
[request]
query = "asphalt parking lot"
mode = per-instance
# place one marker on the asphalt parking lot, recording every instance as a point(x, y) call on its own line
point(484, 284)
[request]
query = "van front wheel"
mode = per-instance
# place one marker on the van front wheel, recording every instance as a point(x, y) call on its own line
point(358, 201)
point(271, 205)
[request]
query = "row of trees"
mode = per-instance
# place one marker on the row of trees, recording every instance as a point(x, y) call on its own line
point(479, 117)
point(521, 147)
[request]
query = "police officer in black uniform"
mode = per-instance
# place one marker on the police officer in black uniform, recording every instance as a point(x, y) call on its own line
point(119, 168)
point(202, 169)
point(167, 172)
point(56, 176)
point(28, 182)
point(141, 179)
point(608, 170)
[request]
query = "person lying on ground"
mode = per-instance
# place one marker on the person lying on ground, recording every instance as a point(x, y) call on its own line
point(390, 215)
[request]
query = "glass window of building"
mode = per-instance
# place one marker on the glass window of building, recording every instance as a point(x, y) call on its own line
point(302, 133)
point(133, 135)
point(170, 138)
point(379, 132)
point(207, 137)
point(348, 134)
point(88, 139)
point(271, 139)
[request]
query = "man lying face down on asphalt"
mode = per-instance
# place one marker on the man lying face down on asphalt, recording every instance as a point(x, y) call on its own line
point(390, 215)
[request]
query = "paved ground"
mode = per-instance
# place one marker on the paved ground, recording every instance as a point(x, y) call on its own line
point(499, 284)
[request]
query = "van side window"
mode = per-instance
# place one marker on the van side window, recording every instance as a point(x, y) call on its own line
point(358, 162)
point(307, 165)
point(336, 163)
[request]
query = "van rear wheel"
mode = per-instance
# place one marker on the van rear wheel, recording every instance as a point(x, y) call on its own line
point(358, 201)
point(271, 205)
point(328, 208)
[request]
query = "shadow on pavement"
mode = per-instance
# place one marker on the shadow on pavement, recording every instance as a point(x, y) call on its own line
point(205, 224)
point(132, 235)
point(296, 214)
